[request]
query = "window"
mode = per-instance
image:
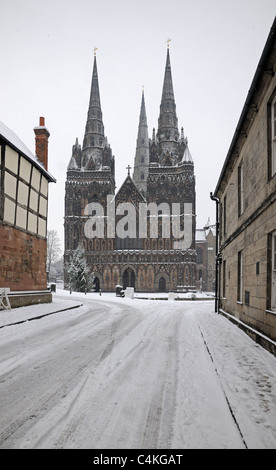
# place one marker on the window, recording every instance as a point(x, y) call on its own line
point(224, 216)
point(273, 283)
point(199, 255)
point(224, 279)
point(273, 137)
point(240, 191)
point(240, 277)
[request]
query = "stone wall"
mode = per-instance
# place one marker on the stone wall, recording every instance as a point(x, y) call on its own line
point(248, 217)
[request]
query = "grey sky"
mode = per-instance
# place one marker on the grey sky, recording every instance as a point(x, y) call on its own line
point(46, 51)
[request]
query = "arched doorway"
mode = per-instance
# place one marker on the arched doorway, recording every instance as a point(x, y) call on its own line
point(162, 284)
point(96, 284)
point(128, 278)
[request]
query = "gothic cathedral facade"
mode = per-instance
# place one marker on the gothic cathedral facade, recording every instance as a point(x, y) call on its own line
point(152, 254)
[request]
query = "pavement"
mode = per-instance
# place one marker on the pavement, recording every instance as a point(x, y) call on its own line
point(34, 312)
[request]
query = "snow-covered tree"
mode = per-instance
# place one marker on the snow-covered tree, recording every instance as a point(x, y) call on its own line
point(80, 277)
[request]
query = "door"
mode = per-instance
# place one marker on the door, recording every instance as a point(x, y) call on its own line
point(97, 284)
point(132, 279)
point(129, 278)
point(162, 285)
point(273, 284)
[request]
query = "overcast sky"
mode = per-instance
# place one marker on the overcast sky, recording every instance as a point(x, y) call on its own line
point(46, 50)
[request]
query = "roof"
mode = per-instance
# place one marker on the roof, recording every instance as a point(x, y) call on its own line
point(13, 140)
point(261, 69)
point(200, 235)
point(132, 188)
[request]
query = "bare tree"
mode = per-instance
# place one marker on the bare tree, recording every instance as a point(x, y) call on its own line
point(53, 249)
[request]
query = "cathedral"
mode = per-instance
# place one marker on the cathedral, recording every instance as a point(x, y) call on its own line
point(142, 236)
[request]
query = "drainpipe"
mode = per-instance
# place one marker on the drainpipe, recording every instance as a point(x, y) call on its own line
point(218, 255)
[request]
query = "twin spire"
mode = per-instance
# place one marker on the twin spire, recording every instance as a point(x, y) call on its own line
point(167, 148)
point(94, 138)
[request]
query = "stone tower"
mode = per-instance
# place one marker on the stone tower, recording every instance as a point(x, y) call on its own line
point(171, 170)
point(90, 173)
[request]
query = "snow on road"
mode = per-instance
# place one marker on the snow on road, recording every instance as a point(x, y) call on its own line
point(134, 374)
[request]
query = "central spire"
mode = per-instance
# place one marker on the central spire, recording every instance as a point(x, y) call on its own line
point(94, 139)
point(168, 134)
point(167, 147)
point(168, 93)
point(95, 92)
point(141, 163)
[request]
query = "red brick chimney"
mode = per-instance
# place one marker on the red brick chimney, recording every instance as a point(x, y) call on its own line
point(41, 142)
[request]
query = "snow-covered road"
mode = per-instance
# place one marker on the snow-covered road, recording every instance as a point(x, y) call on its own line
point(135, 374)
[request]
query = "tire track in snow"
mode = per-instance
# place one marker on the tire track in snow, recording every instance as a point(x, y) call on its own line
point(131, 389)
point(158, 428)
point(66, 435)
point(137, 382)
point(223, 390)
point(26, 411)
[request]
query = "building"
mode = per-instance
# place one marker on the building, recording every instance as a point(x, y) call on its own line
point(23, 216)
point(136, 237)
point(206, 258)
point(246, 197)
point(211, 258)
point(201, 259)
